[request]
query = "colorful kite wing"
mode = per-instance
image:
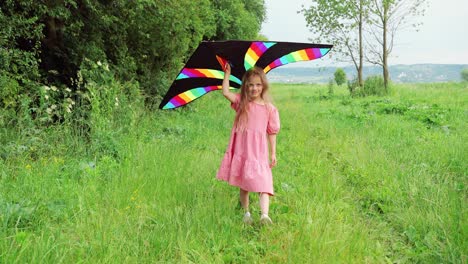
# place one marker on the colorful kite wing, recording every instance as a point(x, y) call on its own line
point(204, 73)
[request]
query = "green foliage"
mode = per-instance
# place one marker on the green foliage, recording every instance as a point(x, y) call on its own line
point(45, 43)
point(20, 36)
point(373, 85)
point(113, 106)
point(353, 86)
point(339, 23)
point(331, 91)
point(464, 75)
point(238, 19)
point(340, 76)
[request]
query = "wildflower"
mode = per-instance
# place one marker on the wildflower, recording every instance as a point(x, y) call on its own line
point(116, 101)
point(68, 90)
point(53, 88)
point(48, 110)
point(47, 88)
point(46, 97)
point(99, 63)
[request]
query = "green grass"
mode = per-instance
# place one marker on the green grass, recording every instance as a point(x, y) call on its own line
point(376, 179)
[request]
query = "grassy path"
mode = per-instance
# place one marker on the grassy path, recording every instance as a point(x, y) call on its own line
point(358, 180)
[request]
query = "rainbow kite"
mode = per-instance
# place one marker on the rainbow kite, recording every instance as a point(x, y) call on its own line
point(204, 73)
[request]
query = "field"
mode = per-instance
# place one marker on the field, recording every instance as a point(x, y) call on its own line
point(359, 180)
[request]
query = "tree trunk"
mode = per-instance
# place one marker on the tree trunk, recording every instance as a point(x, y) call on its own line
point(361, 55)
point(385, 49)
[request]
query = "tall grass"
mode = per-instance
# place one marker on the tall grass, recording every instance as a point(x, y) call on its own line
point(376, 179)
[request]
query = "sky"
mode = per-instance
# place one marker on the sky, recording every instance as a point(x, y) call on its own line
point(442, 39)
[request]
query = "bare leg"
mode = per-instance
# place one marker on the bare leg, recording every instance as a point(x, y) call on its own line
point(244, 199)
point(264, 203)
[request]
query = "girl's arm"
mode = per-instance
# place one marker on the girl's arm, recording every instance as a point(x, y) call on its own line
point(272, 141)
point(228, 94)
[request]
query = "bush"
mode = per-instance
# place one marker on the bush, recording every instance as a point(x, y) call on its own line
point(43, 43)
point(340, 76)
point(112, 106)
point(373, 85)
point(464, 75)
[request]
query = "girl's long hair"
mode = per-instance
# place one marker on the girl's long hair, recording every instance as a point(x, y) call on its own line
point(242, 113)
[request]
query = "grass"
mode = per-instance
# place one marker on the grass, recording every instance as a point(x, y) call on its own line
point(363, 180)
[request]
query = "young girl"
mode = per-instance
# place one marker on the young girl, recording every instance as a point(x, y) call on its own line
point(245, 163)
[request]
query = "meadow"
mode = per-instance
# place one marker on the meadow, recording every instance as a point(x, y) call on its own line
point(359, 180)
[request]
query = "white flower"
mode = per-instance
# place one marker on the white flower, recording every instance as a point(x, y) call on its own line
point(46, 97)
point(53, 107)
point(99, 63)
point(68, 90)
point(53, 88)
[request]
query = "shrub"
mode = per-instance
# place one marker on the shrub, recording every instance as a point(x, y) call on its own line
point(464, 75)
point(112, 106)
point(340, 76)
point(373, 85)
point(353, 86)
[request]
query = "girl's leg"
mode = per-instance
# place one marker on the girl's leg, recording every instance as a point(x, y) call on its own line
point(264, 203)
point(265, 206)
point(244, 199)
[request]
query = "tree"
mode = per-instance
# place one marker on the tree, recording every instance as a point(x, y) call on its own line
point(46, 42)
point(341, 24)
point(386, 18)
point(464, 74)
point(237, 19)
point(340, 76)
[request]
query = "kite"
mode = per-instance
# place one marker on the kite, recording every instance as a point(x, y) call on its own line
point(204, 73)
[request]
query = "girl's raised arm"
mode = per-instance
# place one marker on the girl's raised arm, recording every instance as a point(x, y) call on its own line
point(228, 94)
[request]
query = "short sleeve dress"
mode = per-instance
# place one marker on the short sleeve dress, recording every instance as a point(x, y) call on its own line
point(246, 161)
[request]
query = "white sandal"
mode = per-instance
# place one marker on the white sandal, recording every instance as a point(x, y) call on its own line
point(265, 220)
point(248, 218)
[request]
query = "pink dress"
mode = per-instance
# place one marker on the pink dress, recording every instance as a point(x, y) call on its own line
point(246, 161)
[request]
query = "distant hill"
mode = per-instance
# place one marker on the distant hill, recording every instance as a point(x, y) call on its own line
point(416, 73)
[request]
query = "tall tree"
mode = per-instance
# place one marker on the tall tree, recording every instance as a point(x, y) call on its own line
point(46, 42)
point(386, 18)
point(238, 19)
point(340, 23)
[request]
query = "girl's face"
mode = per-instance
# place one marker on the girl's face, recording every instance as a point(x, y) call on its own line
point(254, 87)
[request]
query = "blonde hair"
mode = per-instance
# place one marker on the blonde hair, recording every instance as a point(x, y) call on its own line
point(242, 112)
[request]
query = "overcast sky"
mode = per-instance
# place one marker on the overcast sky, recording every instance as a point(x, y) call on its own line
point(443, 37)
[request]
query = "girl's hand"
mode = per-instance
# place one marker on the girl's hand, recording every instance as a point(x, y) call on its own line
point(228, 94)
point(273, 161)
point(227, 68)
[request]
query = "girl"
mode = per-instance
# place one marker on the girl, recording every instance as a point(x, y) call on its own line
point(245, 163)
